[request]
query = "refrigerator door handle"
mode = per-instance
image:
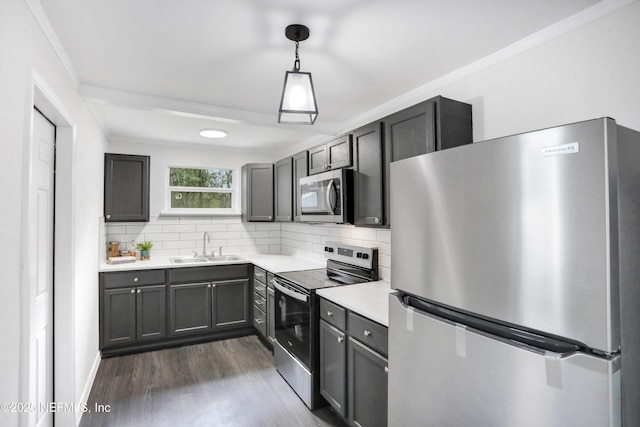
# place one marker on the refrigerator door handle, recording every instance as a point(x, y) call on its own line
point(527, 340)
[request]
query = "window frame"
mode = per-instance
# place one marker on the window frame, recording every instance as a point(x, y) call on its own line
point(234, 191)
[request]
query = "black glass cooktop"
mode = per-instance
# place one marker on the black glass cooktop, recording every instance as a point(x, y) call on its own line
point(310, 279)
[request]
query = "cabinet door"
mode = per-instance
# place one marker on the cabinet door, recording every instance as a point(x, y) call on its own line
point(151, 312)
point(189, 308)
point(339, 152)
point(230, 303)
point(333, 367)
point(300, 170)
point(119, 316)
point(408, 133)
point(284, 190)
point(257, 194)
point(317, 159)
point(369, 200)
point(367, 385)
point(271, 315)
point(126, 188)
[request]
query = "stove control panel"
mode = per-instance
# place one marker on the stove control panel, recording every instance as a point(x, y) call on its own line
point(356, 255)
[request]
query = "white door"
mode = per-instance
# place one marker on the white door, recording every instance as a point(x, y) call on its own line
point(41, 269)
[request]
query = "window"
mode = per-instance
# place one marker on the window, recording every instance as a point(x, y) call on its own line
point(201, 190)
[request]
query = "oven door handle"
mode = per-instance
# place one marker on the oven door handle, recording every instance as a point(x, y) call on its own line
point(289, 292)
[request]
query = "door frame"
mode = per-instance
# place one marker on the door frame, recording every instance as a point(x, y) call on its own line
point(39, 94)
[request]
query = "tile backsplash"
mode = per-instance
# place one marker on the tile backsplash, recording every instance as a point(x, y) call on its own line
point(182, 235)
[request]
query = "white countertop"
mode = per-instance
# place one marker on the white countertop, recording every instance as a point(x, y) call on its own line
point(370, 300)
point(275, 263)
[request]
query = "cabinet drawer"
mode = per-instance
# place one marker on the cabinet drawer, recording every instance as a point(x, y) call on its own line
point(260, 321)
point(260, 302)
point(209, 274)
point(369, 333)
point(333, 314)
point(132, 278)
point(260, 289)
point(260, 275)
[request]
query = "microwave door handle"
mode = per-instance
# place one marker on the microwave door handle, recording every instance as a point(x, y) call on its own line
point(331, 202)
point(289, 292)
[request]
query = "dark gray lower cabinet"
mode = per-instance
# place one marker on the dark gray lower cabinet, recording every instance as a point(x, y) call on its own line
point(190, 308)
point(145, 309)
point(230, 308)
point(271, 309)
point(353, 366)
point(333, 371)
point(367, 384)
point(151, 320)
point(134, 314)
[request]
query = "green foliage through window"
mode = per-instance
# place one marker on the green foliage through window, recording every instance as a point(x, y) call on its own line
point(209, 178)
point(201, 188)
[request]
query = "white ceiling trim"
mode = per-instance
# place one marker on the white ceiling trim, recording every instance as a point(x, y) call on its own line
point(190, 145)
point(427, 90)
point(43, 21)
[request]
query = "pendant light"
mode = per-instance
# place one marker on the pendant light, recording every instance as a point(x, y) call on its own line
point(298, 102)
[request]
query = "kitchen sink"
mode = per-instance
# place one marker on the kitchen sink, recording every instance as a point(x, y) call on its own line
point(222, 258)
point(186, 260)
point(200, 260)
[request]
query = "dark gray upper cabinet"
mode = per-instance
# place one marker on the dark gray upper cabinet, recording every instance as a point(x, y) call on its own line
point(334, 154)
point(300, 170)
point(435, 124)
point(368, 166)
point(257, 192)
point(126, 187)
point(284, 190)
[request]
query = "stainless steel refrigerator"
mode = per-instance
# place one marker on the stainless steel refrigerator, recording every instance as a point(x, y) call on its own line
point(517, 268)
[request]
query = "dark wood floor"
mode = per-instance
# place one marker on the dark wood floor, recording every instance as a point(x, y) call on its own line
point(223, 383)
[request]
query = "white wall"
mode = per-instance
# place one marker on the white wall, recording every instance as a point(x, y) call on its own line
point(23, 50)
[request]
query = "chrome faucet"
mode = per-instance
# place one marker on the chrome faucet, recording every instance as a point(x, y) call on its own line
point(205, 238)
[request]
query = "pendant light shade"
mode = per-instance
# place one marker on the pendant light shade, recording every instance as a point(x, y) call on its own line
point(298, 101)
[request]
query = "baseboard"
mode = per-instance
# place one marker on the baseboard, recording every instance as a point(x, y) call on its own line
point(86, 390)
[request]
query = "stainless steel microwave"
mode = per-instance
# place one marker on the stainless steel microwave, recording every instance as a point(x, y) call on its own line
point(326, 197)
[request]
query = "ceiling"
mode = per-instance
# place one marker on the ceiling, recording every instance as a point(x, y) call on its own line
point(161, 70)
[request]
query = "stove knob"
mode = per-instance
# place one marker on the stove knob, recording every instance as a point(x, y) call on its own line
point(365, 256)
point(359, 255)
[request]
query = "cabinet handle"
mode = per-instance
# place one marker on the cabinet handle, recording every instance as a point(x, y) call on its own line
point(340, 340)
point(139, 291)
point(386, 369)
point(258, 302)
point(329, 313)
point(209, 285)
point(108, 216)
point(136, 280)
point(259, 288)
point(133, 291)
point(259, 321)
point(213, 285)
point(367, 333)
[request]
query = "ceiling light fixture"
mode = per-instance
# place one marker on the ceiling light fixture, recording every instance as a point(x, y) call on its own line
point(298, 102)
point(213, 133)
